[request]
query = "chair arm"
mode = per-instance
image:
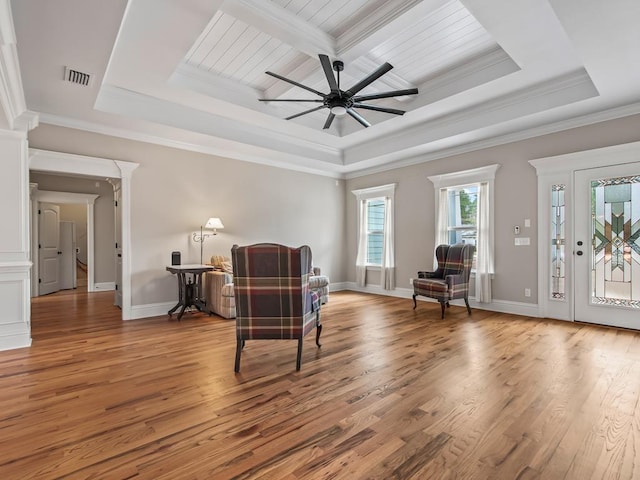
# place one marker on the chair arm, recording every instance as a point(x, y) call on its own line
point(453, 280)
point(427, 275)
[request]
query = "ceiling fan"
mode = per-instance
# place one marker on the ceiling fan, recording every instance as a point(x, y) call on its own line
point(340, 102)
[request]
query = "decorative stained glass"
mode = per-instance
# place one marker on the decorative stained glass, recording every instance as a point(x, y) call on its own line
point(615, 227)
point(557, 242)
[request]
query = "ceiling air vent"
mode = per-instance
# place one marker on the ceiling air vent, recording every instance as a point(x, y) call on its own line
point(77, 77)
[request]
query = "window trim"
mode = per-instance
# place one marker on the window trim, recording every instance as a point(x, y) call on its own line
point(371, 193)
point(464, 178)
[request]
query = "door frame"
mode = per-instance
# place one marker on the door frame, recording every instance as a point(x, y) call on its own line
point(66, 198)
point(560, 169)
point(68, 163)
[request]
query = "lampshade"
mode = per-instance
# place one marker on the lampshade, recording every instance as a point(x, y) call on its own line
point(214, 223)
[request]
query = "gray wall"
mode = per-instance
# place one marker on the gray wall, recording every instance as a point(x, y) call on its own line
point(104, 238)
point(175, 191)
point(515, 200)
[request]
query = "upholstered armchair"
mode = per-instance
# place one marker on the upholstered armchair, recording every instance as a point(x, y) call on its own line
point(273, 298)
point(451, 278)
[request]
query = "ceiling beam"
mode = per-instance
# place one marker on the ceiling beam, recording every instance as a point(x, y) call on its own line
point(283, 25)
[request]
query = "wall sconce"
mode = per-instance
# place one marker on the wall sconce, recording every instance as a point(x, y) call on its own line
point(214, 223)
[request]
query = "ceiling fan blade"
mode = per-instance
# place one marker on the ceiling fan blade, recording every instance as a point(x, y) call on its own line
point(328, 72)
point(394, 93)
point(379, 109)
point(292, 82)
point(381, 70)
point(289, 100)
point(358, 117)
point(305, 112)
point(330, 118)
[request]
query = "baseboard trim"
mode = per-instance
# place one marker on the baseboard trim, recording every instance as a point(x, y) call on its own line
point(104, 286)
point(150, 310)
point(9, 342)
point(336, 287)
point(501, 306)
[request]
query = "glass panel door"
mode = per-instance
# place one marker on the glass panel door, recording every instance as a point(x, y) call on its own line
point(607, 250)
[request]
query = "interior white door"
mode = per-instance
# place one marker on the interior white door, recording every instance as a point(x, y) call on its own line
point(68, 256)
point(607, 245)
point(49, 248)
point(117, 193)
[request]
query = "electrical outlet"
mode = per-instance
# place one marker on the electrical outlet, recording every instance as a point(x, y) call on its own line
point(411, 282)
point(527, 292)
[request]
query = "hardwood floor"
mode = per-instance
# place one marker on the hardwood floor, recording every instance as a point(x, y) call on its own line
point(392, 393)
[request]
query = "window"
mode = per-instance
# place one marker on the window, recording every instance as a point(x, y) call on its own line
point(375, 234)
point(375, 230)
point(464, 214)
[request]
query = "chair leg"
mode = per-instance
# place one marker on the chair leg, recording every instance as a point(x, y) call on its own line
point(414, 302)
point(318, 332)
point(442, 308)
point(239, 347)
point(299, 358)
point(466, 301)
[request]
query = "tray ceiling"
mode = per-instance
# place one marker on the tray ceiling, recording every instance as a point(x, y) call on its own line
point(189, 73)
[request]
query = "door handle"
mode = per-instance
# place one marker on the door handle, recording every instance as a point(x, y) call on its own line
point(579, 252)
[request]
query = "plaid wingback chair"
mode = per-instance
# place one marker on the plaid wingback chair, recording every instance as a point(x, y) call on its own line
point(273, 299)
point(450, 280)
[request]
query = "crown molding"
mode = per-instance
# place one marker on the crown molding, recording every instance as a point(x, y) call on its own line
point(524, 134)
point(414, 139)
point(226, 149)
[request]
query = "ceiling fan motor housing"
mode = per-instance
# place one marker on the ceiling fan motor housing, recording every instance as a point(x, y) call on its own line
point(338, 99)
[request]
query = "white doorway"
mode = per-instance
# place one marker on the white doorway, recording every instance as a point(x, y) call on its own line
point(71, 164)
point(589, 241)
point(46, 197)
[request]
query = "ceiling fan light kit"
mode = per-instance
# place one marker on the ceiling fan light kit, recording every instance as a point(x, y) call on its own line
point(341, 102)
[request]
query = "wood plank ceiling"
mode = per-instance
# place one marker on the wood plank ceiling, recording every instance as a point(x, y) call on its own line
point(239, 52)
